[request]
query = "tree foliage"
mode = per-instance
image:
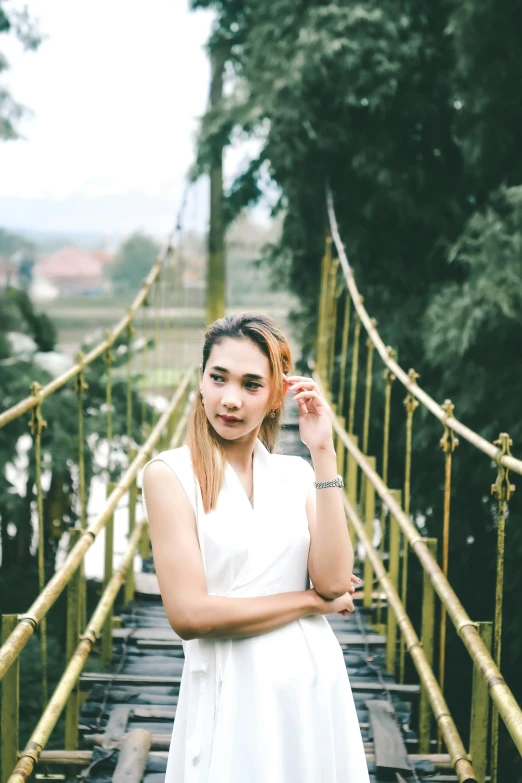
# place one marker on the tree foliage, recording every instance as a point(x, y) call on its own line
point(412, 113)
point(17, 23)
point(132, 264)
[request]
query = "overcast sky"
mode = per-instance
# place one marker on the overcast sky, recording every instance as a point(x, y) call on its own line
point(115, 90)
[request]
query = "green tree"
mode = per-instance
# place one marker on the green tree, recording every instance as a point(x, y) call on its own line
point(23, 27)
point(134, 260)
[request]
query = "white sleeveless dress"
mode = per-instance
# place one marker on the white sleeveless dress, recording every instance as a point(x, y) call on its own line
point(272, 708)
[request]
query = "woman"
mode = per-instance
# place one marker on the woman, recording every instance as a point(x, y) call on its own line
point(237, 534)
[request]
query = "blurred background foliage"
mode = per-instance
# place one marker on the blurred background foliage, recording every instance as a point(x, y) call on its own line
point(412, 112)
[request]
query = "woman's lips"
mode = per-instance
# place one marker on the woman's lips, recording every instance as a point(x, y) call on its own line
point(229, 420)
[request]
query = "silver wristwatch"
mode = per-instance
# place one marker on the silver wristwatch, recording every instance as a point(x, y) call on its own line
point(336, 482)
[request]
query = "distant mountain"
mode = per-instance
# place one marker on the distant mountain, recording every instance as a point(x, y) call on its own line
point(87, 219)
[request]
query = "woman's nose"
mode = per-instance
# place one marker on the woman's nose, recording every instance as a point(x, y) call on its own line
point(231, 400)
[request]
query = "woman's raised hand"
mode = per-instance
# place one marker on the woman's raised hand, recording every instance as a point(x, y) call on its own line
point(315, 417)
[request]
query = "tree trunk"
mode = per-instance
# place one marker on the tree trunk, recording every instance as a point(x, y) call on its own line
point(216, 271)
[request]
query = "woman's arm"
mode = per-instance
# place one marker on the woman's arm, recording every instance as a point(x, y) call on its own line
point(191, 612)
point(330, 560)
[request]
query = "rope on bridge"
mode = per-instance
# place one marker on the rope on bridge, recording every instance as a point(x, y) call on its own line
point(162, 378)
point(332, 370)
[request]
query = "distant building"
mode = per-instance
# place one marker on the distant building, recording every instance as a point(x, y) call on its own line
point(75, 271)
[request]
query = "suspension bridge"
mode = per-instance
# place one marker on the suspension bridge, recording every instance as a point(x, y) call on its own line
point(115, 702)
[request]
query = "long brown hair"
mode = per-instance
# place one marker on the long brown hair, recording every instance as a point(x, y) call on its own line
point(207, 454)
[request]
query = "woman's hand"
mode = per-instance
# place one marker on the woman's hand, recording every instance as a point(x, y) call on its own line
point(315, 417)
point(342, 605)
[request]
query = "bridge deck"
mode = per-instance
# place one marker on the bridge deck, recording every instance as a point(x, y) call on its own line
point(126, 720)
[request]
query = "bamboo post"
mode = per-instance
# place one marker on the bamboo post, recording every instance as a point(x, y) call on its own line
point(80, 387)
point(393, 569)
point(388, 379)
point(73, 631)
point(369, 511)
point(133, 491)
point(448, 444)
point(9, 706)
point(322, 336)
point(502, 489)
point(106, 640)
point(355, 366)
point(37, 424)
point(340, 449)
point(157, 340)
point(411, 404)
point(351, 472)
point(130, 335)
point(145, 543)
point(144, 363)
point(344, 353)
point(427, 638)
point(332, 325)
point(478, 744)
point(368, 396)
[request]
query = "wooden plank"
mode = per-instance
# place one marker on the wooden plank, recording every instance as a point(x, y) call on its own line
point(390, 751)
point(133, 757)
point(160, 634)
point(158, 741)
point(153, 714)
point(116, 726)
point(166, 680)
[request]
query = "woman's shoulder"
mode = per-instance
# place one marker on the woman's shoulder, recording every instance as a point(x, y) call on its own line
point(178, 460)
point(179, 456)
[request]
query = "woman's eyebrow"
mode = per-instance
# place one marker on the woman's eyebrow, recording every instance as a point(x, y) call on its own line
point(252, 375)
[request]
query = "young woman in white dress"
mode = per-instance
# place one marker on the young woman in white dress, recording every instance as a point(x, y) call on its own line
point(239, 534)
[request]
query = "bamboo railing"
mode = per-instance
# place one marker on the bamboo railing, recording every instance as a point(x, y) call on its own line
point(338, 359)
point(152, 313)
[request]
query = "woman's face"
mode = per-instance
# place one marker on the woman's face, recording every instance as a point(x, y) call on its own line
point(236, 387)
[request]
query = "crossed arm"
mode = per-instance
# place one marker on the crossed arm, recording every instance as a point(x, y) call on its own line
point(191, 612)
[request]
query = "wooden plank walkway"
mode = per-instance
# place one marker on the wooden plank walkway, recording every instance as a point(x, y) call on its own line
point(126, 719)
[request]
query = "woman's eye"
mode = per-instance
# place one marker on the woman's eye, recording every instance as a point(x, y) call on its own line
point(216, 377)
point(253, 386)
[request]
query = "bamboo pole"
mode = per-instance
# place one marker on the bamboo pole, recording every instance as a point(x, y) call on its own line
point(441, 711)
point(344, 354)
point(393, 569)
point(73, 630)
point(29, 621)
point(216, 272)
point(500, 692)
point(106, 637)
point(487, 448)
point(369, 512)
point(37, 425)
point(355, 366)
point(479, 724)
point(411, 404)
point(448, 444)
point(30, 755)
point(9, 706)
point(31, 402)
point(502, 489)
point(427, 638)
